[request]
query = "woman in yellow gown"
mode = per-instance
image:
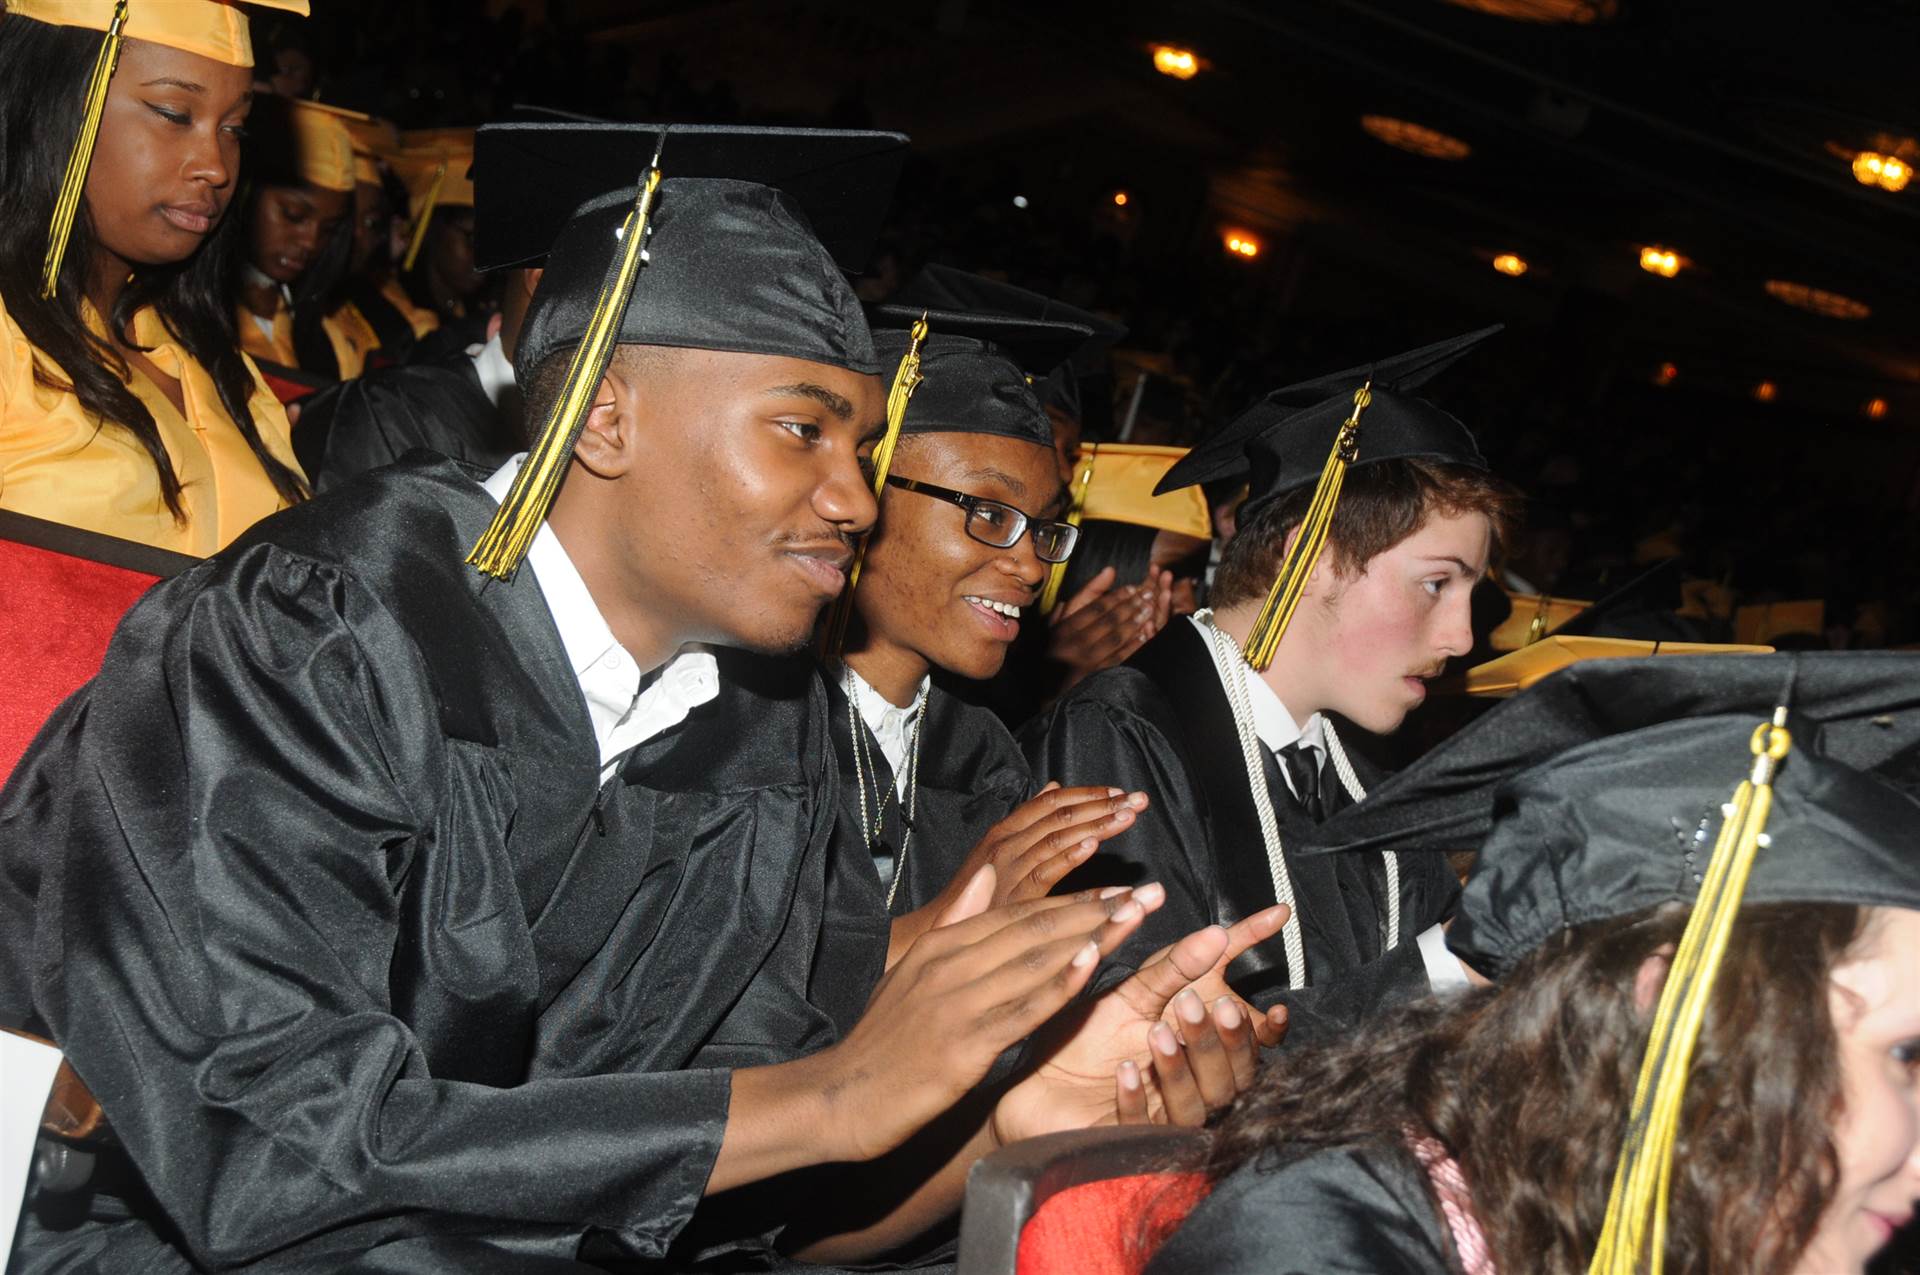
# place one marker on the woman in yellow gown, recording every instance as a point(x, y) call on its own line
point(126, 405)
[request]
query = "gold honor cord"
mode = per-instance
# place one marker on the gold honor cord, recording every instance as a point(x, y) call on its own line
point(432, 198)
point(505, 542)
point(1636, 1221)
point(906, 379)
point(72, 186)
point(1263, 640)
point(1076, 510)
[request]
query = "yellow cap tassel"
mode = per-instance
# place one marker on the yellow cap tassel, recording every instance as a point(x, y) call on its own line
point(1263, 640)
point(1636, 1221)
point(427, 203)
point(906, 379)
point(72, 186)
point(1076, 509)
point(505, 542)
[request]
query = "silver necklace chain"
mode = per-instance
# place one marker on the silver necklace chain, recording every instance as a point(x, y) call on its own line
point(1233, 674)
point(873, 817)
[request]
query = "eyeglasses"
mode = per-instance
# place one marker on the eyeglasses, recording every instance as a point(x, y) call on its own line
point(1001, 525)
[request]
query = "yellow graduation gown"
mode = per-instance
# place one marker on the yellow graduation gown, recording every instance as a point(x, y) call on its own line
point(348, 332)
point(419, 318)
point(60, 463)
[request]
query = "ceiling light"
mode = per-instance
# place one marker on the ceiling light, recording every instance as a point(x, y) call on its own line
point(1579, 12)
point(1766, 392)
point(1416, 138)
point(1874, 409)
point(1181, 64)
point(1833, 305)
point(1508, 263)
point(1242, 244)
point(1666, 374)
point(1120, 198)
point(1019, 201)
point(1888, 172)
point(1664, 262)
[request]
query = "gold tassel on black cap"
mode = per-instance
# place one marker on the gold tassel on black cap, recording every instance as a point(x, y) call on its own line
point(906, 379)
point(1263, 640)
point(1076, 510)
point(427, 203)
point(72, 186)
point(505, 542)
point(1636, 1221)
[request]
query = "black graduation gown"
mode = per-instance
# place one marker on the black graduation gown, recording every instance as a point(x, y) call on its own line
point(375, 419)
point(971, 776)
point(366, 967)
point(1161, 724)
point(1341, 1211)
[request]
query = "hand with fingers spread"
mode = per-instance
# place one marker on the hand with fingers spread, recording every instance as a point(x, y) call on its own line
point(1030, 850)
point(1074, 1083)
point(972, 985)
point(1211, 987)
point(1101, 626)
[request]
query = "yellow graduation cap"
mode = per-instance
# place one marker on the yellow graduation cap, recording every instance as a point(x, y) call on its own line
point(1515, 672)
point(214, 29)
point(373, 139)
point(1534, 616)
point(324, 144)
point(433, 164)
point(1772, 619)
point(1114, 482)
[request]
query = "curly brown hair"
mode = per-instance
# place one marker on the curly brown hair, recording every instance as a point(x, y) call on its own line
point(1528, 1085)
point(1381, 504)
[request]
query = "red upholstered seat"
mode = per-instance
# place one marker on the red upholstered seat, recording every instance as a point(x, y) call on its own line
point(1108, 1227)
point(62, 591)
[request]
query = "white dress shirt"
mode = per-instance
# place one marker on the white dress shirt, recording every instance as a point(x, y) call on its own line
point(892, 726)
point(491, 365)
point(1276, 728)
point(624, 716)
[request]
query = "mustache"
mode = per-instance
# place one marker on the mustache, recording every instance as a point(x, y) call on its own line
point(825, 543)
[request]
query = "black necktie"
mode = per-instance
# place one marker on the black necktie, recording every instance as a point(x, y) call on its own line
point(1302, 763)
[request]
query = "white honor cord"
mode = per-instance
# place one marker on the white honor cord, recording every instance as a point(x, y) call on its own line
point(1233, 674)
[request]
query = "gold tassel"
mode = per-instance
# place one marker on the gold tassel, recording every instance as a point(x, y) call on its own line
point(72, 186)
point(906, 379)
point(1076, 509)
point(1636, 1220)
point(1263, 640)
point(419, 235)
point(504, 544)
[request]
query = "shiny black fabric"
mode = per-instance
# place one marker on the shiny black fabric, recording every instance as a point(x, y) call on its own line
point(971, 776)
point(1281, 443)
point(1160, 723)
point(375, 419)
point(333, 915)
point(980, 372)
point(944, 288)
point(1342, 1211)
point(730, 266)
point(1597, 793)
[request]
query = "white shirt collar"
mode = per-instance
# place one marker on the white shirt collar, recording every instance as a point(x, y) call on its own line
point(888, 722)
point(491, 365)
point(624, 716)
point(1271, 720)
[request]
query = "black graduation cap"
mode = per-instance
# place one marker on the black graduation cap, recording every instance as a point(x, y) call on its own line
point(1598, 792)
point(978, 371)
point(1313, 432)
point(531, 176)
point(1281, 443)
point(698, 238)
point(945, 288)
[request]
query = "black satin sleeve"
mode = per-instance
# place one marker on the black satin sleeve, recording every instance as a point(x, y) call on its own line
point(375, 419)
point(1108, 739)
point(1346, 1211)
point(230, 819)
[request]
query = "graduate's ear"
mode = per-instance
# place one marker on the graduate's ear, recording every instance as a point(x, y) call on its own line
point(1651, 977)
point(609, 442)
